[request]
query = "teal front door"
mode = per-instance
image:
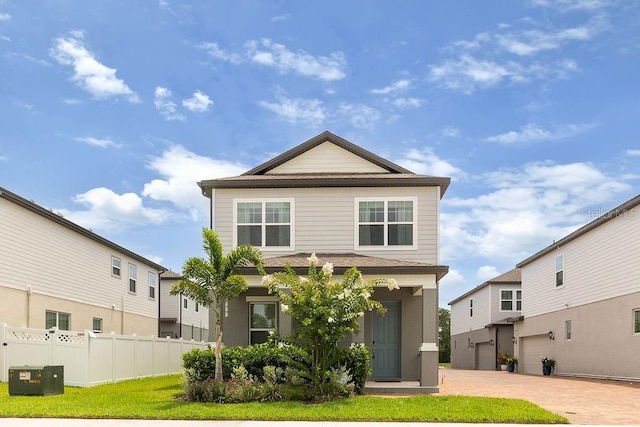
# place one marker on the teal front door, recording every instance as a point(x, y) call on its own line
point(386, 342)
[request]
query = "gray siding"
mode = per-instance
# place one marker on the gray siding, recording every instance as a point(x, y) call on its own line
point(330, 213)
point(461, 321)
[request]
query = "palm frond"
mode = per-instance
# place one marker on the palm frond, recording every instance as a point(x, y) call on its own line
point(241, 256)
point(213, 248)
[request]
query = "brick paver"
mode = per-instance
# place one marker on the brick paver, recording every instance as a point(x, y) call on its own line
point(581, 401)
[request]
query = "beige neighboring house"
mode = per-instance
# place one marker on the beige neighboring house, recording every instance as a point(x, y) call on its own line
point(54, 273)
point(352, 208)
point(582, 300)
point(181, 317)
point(482, 322)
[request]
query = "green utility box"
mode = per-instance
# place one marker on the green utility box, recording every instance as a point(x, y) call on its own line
point(36, 380)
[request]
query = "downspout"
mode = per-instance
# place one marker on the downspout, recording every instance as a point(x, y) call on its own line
point(122, 315)
point(495, 348)
point(159, 302)
point(29, 293)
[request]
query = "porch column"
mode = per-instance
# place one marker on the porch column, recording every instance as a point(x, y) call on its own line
point(429, 348)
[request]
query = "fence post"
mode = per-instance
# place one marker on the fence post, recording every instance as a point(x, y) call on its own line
point(3, 353)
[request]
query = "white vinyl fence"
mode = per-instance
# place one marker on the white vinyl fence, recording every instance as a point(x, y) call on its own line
point(90, 359)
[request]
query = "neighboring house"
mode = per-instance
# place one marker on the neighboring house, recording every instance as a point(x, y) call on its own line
point(54, 273)
point(352, 208)
point(482, 322)
point(582, 305)
point(181, 317)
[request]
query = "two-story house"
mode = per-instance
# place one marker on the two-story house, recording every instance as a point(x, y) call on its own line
point(482, 322)
point(54, 273)
point(582, 305)
point(180, 316)
point(352, 208)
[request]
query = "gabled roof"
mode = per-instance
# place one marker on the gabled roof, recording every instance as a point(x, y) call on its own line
point(511, 277)
point(616, 212)
point(319, 139)
point(344, 261)
point(258, 177)
point(26, 204)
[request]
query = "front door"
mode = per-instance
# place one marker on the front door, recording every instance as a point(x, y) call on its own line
point(386, 342)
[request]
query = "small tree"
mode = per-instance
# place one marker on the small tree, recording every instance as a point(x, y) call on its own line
point(326, 310)
point(213, 281)
point(444, 335)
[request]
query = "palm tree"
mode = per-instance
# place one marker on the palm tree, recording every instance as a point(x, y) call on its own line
point(213, 281)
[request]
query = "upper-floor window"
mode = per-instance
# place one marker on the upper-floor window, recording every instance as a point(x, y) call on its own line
point(115, 266)
point(54, 319)
point(567, 329)
point(152, 285)
point(185, 303)
point(507, 301)
point(470, 308)
point(197, 308)
point(386, 222)
point(133, 274)
point(560, 270)
point(636, 321)
point(264, 224)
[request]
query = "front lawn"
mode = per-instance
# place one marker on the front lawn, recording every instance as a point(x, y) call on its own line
point(155, 398)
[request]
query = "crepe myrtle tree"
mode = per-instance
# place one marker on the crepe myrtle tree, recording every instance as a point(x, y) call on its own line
point(214, 280)
point(326, 310)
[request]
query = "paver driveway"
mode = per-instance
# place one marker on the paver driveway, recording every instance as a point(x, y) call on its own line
point(581, 401)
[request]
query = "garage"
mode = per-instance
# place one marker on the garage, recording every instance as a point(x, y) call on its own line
point(531, 349)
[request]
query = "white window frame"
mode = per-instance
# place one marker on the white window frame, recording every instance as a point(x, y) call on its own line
point(567, 330)
point(133, 278)
point(263, 301)
point(511, 300)
point(185, 303)
point(197, 308)
point(471, 307)
point(93, 324)
point(114, 266)
point(518, 299)
point(385, 246)
point(57, 325)
point(559, 270)
point(636, 321)
point(152, 285)
point(263, 224)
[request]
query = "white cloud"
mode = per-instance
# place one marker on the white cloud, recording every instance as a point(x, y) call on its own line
point(215, 51)
point(453, 280)
point(296, 110)
point(525, 210)
point(4, 38)
point(275, 55)
point(487, 272)
point(198, 103)
point(450, 132)
point(633, 152)
point(282, 17)
point(426, 162)
point(71, 101)
point(3, 158)
point(4, 16)
point(180, 170)
point(359, 115)
point(407, 102)
point(88, 73)
point(572, 5)
point(108, 211)
point(165, 105)
point(397, 86)
point(98, 142)
point(531, 132)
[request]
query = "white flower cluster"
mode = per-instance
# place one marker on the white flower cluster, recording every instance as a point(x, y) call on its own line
point(327, 269)
point(313, 259)
point(392, 284)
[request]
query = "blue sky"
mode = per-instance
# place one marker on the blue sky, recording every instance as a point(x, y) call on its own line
point(112, 110)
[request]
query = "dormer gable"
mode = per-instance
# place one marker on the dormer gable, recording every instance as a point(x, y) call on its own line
point(327, 153)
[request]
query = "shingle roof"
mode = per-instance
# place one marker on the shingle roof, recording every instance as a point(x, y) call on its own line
point(511, 277)
point(257, 177)
point(343, 261)
point(170, 274)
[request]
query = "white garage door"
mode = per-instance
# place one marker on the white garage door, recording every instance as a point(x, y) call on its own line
point(531, 350)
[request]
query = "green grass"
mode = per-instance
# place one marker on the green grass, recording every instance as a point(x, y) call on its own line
point(155, 398)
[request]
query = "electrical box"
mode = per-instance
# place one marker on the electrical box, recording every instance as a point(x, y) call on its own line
point(36, 380)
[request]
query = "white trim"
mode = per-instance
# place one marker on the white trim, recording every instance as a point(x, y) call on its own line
point(428, 346)
point(263, 202)
point(555, 268)
point(633, 322)
point(514, 299)
point(385, 246)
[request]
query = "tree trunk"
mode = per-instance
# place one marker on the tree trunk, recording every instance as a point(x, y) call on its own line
point(218, 352)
